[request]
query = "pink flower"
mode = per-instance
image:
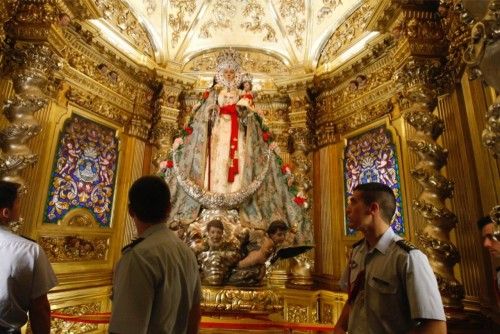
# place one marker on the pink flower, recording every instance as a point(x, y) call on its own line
point(177, 142)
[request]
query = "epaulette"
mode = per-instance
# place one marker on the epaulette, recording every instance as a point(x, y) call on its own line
point(357, 243)
point(28, 239)
point(406, 245)
point(132, 244)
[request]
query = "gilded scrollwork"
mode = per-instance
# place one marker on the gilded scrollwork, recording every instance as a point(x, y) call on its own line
point(434, 154)
point(292, 13)
point(221, 18)
point(233, 299)
point(254, 12)
point(75, 248)
point(138, 127)
point(347, 32)
point(443, 251)
point(98, 105)
point(178, 22)
point(327, 9)
point(120, 16)
point(60, 326)
point(297, 313)
point(252, 63)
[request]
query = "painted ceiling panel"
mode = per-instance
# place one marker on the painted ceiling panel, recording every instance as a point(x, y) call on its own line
point(292, 31)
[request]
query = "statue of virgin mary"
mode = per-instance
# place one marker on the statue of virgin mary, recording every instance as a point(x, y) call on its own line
point(225, 161)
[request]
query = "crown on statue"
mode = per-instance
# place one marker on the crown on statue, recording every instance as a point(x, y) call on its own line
point(228, 59)
point(247, 77)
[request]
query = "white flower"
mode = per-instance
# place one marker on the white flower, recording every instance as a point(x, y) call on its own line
point(273, 146)
point(163, 164)
point(177, 142)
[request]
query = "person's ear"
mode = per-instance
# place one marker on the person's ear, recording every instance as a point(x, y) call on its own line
point(374, 208)
point(5, 213)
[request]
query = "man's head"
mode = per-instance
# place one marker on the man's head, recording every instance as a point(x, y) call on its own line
point(149, 200)
point(9, 202)
point(277, 231)
point(215, 230)
point(370, 200)
point(491, 237)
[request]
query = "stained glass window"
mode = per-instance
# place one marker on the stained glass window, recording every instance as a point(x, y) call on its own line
point(84, 171)
point(372, 157)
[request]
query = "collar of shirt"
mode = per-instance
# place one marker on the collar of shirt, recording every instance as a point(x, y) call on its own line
point(5, 228)
point(152, 229)
point(384, 242)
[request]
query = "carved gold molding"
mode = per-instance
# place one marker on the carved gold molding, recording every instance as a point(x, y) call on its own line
point(75, 248)
point(258, 300)
point(62, 326)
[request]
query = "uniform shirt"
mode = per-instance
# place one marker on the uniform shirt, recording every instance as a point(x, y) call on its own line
point(25, 274)
point(156, 283)
point(399, 288)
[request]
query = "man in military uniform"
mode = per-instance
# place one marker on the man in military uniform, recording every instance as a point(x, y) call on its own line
point(25, 273)
point(156, 287)
point(390, 283)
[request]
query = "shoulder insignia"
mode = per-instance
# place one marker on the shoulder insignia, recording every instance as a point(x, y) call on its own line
point(357, 243)
point(28, 239)
point(406, 245)
point(132, 244)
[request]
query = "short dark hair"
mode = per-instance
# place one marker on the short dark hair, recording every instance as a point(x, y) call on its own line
point(277, 225)
point(149, 199)
point(215, 223)
point(381, 194)
point(8, 194)
point(483, 221)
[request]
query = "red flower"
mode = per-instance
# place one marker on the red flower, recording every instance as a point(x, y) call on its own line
point(205, 95)
point(299, 200)
point(266, 135)
point(189, 130)
point(170, 164)
point(285, 169)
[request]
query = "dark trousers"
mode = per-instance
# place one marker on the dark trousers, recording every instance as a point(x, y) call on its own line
point(8, 330)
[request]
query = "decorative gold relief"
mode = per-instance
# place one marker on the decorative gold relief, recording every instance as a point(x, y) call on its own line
point(327, 9)
point(419, 81)
point(292, 13)
point(241, 300)
point(346, 33)
point(138, 127)
point(253, 62)
point(297, 313)
point(424, 33)
point(222, 15)
point(75, 248)
point(254, 12)
point(59, 326)
point(121, 17)
point(178, 22)
point(79, 218)
point(97, 105)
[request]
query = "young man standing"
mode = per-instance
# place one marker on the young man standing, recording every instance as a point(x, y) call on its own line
point(26, 275)
point(390, 283)
point(156, 287)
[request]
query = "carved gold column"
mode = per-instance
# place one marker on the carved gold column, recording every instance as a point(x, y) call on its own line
point(300, 104)
point(30, 62)
point(165, 122)
point(421, 77)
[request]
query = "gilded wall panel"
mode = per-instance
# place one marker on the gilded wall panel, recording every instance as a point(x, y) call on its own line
point(461, 168)
point(75, 248)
